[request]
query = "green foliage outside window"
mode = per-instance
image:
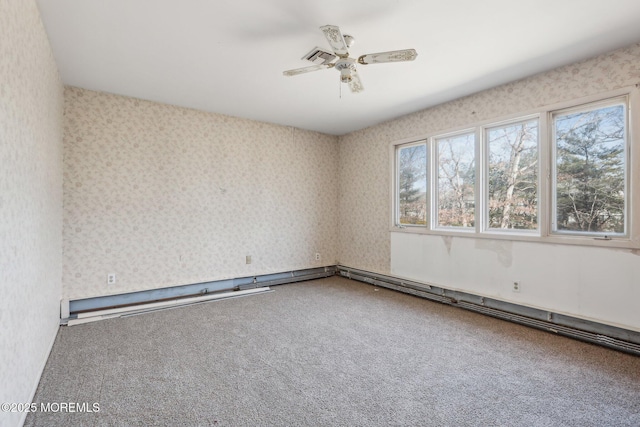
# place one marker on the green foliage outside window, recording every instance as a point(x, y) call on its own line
point(590, 170)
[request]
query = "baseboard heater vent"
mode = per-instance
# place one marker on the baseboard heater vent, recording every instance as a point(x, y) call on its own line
point(591, 337)
point(80, 310)
point(596, 333)
point(132, 310)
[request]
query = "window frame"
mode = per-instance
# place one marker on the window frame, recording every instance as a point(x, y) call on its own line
point(485, 175)
point(435, 165)
point(546, 158)
point(553, 208)
point(396, 183)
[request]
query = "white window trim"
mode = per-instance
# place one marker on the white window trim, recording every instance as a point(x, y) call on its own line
point(433, 205)
point(396, 182)
point(545, 212)
point(484, 182)
point(624, 100)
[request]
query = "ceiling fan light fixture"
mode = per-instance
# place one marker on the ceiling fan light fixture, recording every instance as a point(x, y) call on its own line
point(345, 75)
point(349, 40)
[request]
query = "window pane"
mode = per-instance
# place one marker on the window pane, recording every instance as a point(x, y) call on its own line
point(590, 170)
point(412, 185)
point(456, 181)
point(513, 176)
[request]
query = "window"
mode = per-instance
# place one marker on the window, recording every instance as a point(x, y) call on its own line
point(553, 175)
point(455, 193)
point(589, 172)
point(512, 176)
point(412, 184)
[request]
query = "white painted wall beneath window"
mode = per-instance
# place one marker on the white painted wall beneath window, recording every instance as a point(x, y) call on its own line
point(601, 284)
point(598, 284)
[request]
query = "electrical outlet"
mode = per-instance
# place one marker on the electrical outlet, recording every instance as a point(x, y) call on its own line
point(111, 279)
point(517, 286)
point(317, 256)
point(248, 259)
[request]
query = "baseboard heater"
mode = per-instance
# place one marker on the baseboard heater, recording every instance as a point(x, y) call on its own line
point(90, 309)
point(131, 310)
point(585, 330)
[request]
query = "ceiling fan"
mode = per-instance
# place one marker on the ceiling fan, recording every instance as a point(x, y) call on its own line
point(347, 66)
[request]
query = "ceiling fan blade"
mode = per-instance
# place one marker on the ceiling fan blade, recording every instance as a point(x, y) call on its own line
point(392, 56)
point(355, 84)
point(336, 40)
point(303, 70)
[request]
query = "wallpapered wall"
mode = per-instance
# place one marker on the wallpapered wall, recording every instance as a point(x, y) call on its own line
point(584, 282)
point(30, 201)
point(163, 196)
point(364, 156)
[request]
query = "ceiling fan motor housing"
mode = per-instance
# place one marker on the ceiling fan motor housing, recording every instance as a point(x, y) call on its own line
point(346, 66)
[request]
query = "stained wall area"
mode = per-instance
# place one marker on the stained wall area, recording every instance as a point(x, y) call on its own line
point(94, 183)
point(588, 282)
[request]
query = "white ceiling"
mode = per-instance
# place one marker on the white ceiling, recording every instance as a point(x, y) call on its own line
point(227, 56)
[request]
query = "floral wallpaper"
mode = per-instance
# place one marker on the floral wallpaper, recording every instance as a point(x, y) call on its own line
point(31, 108)
point(365, 155)
point(164, 196)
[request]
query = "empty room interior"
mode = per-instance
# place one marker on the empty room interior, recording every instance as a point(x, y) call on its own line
point(320, 213)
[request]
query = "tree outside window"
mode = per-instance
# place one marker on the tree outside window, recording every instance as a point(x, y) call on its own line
point(584, 192)
point(412, 185)
point(456, 181)
point(513, 176)
point(590, 170)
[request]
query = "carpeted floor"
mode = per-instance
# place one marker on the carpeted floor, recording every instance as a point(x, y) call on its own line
point(332, 352)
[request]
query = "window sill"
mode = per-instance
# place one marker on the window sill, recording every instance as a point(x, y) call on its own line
point(614, 242)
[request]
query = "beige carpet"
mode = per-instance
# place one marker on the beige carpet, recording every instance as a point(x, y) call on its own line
point(332, 352)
